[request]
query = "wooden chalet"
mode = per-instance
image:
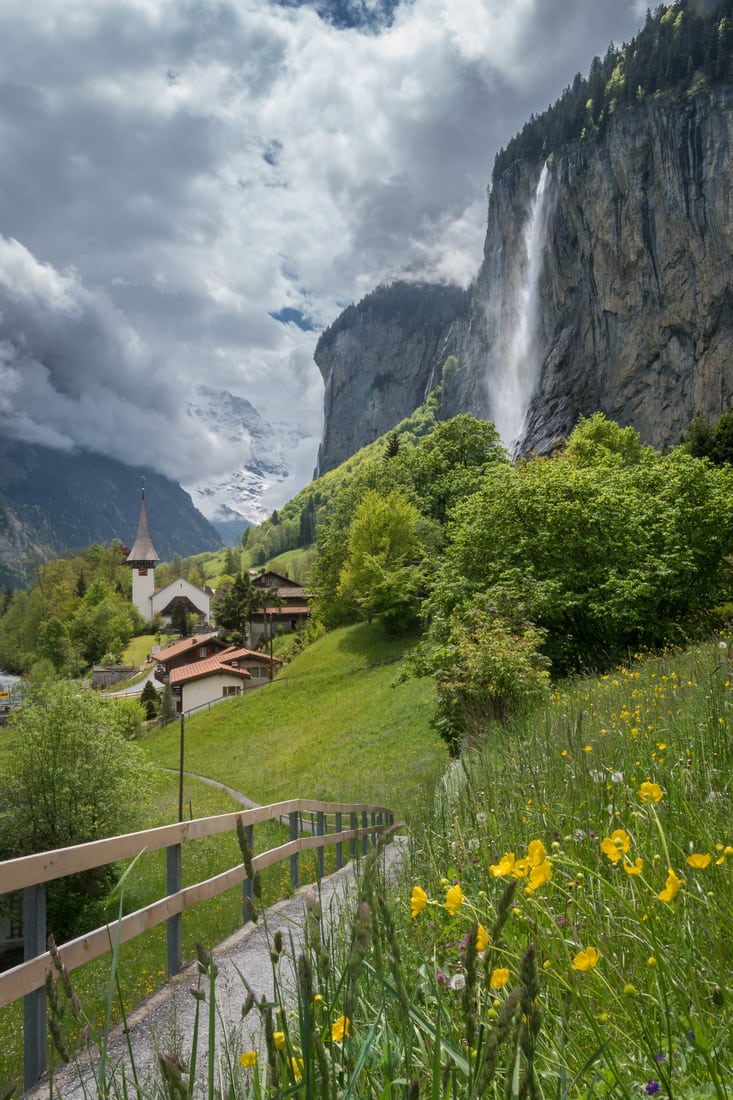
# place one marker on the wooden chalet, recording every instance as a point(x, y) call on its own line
point(284, 608)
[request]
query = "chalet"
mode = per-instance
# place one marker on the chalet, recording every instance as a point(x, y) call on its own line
point(284, 607)
point(231, 671)
point(189, 651)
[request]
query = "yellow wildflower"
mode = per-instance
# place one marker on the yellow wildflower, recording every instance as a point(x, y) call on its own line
point(297, 1065)
point(520, 868)
point(616, 845)
point(248, 1059)
point(650, 792)
point(418, 900)
point(499, 978)
point(482, 938)
point(504, 867)
point(634, 868)
point(538, 876)
point(453, 899)
point(699, 861)
point(340, 1029)
point(279, 1040)
point(586, 960)
point(671, 888)
point(536, 853)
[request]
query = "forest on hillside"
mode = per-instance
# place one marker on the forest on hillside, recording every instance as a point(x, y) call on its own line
point(683, 47)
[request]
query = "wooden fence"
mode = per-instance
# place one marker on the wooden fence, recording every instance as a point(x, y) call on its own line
point(31, 873)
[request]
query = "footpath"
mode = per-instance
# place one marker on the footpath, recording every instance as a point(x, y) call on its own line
point(165, 1022)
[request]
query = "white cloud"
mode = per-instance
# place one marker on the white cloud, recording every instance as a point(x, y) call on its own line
point(175, 172)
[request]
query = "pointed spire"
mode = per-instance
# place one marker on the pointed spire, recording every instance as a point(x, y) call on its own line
point(143, 552)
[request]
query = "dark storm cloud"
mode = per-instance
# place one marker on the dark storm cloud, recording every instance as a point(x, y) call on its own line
point(177, 174)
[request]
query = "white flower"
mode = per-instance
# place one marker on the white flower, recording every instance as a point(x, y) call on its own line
point(617, 777)
point(458, 982)
point(474, 844)
point(481, 817)
point(722, 645)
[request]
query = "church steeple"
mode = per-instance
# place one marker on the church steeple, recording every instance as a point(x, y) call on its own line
point(143, 559)
point(143, 553)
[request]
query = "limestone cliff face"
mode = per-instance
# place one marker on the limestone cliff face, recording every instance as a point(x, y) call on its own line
point(633, 299)
point(606, 285)
point(379, 360)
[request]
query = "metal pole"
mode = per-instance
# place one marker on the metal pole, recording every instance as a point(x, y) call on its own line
point(34, 1004)
point(352, 843)
point(320, 830)
point(339, 846)
point(173, 885)
point(365, 838)
point(294, 872)
point(180, 776)
point(247, 884)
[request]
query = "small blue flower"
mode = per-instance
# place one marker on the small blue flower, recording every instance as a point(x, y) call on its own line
point(651, 1088)
point(659, 1057)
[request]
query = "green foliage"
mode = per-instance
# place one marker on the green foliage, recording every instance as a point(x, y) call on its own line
point(150, 700)
point(713, 441)
point(380, 573)
point(234, 607)
point(73, 776)
point(489, 669)
point(604, 552)
point(685, 47)
point(167, 708)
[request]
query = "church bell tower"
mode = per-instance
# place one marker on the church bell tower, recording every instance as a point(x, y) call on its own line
point(143, 559)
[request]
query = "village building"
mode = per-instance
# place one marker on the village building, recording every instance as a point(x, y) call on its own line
point(284, 610)
point(202, 671)
point(149, 601)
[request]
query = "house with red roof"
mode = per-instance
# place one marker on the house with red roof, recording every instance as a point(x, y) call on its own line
point(205, 670)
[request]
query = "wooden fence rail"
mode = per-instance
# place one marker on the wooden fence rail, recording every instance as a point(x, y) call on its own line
point(31, 873)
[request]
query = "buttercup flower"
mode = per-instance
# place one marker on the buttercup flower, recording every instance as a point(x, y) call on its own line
point(340, 1028)
point(482, 939)
point(650, 792)
point(279, 1040)
point(504, 867)
point(418, 900)
point(539, 875)
point(616, 845)
point(699, 862)
point(296, 1064)
point(587, 959)
point(536, 853)
point(499, 978)
point(671, 888)
point(453, 899)
point(634, 868)
point(248, 1059)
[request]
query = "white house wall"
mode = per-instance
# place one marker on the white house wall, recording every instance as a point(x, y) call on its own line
point(181, 587)
point(209, 689)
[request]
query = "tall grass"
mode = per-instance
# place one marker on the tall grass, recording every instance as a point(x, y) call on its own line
point(562, 928)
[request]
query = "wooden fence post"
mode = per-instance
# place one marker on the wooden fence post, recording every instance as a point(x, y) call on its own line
point(294, 872)
point(34, 1004)
point(172, 886)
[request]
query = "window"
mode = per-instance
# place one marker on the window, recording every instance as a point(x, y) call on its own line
point(229, 689)
point(202, 651)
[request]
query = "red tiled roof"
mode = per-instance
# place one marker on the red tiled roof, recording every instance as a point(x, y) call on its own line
point(176, 648)
point(248, 654)
point(208, 667)
point(284, 612)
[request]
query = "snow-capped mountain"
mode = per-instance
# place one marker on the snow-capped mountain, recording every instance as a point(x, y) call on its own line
point(238, 499)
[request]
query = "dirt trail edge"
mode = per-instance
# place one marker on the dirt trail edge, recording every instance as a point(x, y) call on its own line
point(164, 1022)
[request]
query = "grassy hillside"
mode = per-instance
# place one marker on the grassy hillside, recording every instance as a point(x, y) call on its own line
point(334, 726)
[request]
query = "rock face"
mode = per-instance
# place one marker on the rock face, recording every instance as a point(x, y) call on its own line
point(379, 359)
point(633, 310)
point(606, 285)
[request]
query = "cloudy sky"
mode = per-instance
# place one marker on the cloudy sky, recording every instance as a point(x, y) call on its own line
point(191, 189)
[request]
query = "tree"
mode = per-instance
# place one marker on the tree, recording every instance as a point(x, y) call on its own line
point(381, 572)
point(180, 617)
point(73, 776)
point(167, 709)
point(149, 699)
point(234, 609)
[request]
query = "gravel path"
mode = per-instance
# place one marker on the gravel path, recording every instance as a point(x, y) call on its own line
point(164, 1023)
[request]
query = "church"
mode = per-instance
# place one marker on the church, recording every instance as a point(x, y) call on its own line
point(150, 601)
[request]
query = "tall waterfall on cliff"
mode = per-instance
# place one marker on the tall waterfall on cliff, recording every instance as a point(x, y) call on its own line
point(517, 364)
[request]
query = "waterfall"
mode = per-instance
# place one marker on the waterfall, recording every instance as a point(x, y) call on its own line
point(517, 364)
